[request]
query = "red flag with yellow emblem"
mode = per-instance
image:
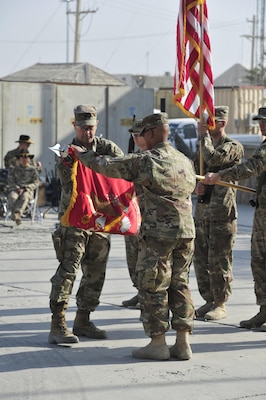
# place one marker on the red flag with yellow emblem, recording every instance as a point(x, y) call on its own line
point(102, 204)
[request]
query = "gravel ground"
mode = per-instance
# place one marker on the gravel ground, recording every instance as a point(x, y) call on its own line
point(29, 235)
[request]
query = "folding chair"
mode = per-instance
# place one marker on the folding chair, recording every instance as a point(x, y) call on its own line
point(34, 208)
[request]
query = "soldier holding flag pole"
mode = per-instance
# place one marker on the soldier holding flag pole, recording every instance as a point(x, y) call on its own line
point(255, 165)
point(215, 213)
point(215, 219)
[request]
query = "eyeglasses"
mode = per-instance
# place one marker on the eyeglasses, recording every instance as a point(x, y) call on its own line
point(135, 134)
point(87, 128)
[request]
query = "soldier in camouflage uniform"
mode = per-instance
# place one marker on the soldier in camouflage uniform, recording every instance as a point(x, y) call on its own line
point(255, 165)
point(23, 179)
point(131, 241)
point(76, 246)
point(11, 157)
point(215, 219)
point(166, 240)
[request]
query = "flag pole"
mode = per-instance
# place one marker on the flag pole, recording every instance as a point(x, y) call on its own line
point(201, 161)
point(231, 185)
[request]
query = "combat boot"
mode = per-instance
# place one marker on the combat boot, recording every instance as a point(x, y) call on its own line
point(218, 311)
point(256, 321)
point(155, 350)
point(131, 303)
point(84, 327)
point(16, 217)
point(201, 311)
point(181, 349)
point(59, 334)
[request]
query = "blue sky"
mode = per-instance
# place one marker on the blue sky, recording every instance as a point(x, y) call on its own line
point(119, 36)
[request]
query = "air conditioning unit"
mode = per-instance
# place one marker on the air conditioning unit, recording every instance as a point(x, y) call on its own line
point(250, 121)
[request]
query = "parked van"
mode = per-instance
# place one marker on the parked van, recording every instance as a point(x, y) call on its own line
point(183, 135)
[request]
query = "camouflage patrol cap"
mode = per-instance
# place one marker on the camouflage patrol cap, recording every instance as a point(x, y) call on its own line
point(136, 126)
point(221, 113)
point(153, 120)
point(261, 114)
point(85, 114)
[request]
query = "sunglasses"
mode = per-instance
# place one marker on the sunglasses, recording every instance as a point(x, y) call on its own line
point(147, 130)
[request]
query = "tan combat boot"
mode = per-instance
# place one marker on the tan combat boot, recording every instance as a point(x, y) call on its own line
point(16, 217)
point(59, 334)
point(181, 349)
point(201, 311)
point(256, 321)
point(84, 327)
point(155, 350)
point(218, 311)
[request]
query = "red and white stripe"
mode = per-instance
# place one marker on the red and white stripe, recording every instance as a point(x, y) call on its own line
point(192, 39)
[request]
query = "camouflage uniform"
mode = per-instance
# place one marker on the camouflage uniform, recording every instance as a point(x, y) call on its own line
point(255, 165)
point(132, 243)
point(216, 223)
point(21, 177)
point(167, 231)
point(76, 246)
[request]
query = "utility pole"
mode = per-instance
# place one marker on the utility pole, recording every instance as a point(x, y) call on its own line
point(262, 30)
point(258, 36)
point(253, 38)
point(77, 33)
point(78, 15)
point(253, 46)
point(67, 28)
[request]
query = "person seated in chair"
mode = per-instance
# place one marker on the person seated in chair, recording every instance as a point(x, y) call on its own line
point(11, 157)
point(23, 180)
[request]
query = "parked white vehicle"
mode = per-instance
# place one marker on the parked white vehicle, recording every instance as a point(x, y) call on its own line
point(184, 130)
point(248, 140)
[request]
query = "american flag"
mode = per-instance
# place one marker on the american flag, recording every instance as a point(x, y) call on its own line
point(193, 80)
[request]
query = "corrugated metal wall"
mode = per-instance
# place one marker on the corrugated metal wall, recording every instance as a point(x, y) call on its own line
point(243, 104)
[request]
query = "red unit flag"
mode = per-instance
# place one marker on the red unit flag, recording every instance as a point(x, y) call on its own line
point(101, 204)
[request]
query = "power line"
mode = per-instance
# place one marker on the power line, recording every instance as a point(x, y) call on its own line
point(104, 39)
point(35, 40)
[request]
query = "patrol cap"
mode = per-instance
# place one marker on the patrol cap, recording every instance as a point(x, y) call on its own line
point(261, 114)
point(153, 120)
point(85, 114)
point(24, 154)
point(136, 126)
point(24, 139)
point(221, 113)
